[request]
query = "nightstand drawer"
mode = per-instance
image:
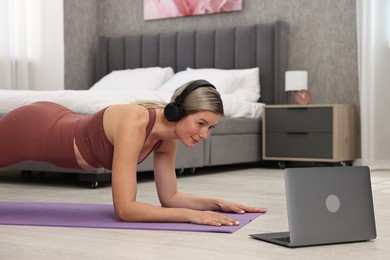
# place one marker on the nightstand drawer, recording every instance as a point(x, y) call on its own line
point(299, 145)
point(323, 133)
point(299, 120)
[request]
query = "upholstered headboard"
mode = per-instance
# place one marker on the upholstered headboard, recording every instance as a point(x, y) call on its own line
point(262, 45)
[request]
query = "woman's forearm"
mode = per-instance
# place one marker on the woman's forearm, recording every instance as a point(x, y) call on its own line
point(197, 211)
point(142, 212)
point(183, 200)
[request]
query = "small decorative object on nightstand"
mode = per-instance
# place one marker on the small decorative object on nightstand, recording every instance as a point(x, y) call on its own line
point(296, 80)
point(318, 133)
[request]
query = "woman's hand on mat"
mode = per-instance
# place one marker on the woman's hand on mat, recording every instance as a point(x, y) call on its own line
point(211, 218)
point(227, 206)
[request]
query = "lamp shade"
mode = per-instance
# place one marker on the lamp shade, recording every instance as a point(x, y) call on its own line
point(296, 80)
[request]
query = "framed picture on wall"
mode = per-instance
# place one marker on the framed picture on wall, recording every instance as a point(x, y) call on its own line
point(161, 9)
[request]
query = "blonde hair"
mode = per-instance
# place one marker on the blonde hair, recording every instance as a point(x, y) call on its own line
point(151, 104)
point(200, 99)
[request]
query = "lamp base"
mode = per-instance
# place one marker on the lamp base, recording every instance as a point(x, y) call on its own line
point(303, 97)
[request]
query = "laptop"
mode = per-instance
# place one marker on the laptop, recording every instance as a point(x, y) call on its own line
point(326, 205)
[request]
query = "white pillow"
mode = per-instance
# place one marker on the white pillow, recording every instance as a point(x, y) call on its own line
point(237, 107)
point(141, 78)
point(242, 82)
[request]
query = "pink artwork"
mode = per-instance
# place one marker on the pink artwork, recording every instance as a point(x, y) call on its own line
point(159, 9)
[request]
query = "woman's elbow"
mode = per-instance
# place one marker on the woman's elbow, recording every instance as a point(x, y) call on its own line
point(120, 215)
point(123, 212)
point(166, 203)
point(127, 213)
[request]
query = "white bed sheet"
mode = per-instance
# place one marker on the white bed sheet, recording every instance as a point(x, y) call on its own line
point(88, 102)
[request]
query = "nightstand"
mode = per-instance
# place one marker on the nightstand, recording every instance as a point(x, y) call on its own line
point(319, 133)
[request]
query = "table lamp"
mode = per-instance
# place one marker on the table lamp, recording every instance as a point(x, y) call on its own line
point(296, 80)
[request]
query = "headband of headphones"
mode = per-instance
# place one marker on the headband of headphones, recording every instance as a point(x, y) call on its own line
point(173, 111)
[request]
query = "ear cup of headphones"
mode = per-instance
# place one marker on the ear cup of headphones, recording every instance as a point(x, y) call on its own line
point(173, 112)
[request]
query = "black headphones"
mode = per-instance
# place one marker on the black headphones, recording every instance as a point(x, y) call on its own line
point(173, 111)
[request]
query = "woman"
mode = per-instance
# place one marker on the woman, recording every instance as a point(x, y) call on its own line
point(119, 137)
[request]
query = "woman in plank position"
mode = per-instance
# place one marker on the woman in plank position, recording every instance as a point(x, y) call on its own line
point(119, 137)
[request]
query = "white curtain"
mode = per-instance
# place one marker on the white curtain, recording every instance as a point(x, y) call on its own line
point(373, 20)
point(31, 44)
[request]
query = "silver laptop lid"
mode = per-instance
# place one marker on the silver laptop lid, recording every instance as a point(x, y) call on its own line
point(329, 205)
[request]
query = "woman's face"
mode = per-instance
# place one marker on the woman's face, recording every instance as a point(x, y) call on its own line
point(195, 127)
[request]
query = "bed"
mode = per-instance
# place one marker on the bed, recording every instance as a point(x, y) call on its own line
point(230, 58)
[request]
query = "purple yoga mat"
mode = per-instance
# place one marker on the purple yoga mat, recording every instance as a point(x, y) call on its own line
point(95, 216)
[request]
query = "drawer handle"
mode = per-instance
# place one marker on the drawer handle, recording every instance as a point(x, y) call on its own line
point(297, 133)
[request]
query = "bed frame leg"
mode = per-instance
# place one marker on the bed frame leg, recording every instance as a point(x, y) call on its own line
point(94, 178)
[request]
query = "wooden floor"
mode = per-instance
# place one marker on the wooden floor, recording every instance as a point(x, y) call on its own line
point(255, 186)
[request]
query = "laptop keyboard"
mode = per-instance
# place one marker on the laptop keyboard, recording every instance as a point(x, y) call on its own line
point(283, 239)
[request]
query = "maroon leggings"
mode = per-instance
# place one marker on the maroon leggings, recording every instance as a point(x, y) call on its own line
point(42, 131)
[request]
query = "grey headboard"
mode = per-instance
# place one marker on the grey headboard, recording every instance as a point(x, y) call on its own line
point(262, 45)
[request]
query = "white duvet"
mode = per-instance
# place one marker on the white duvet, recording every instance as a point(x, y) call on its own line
point(88, 102)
